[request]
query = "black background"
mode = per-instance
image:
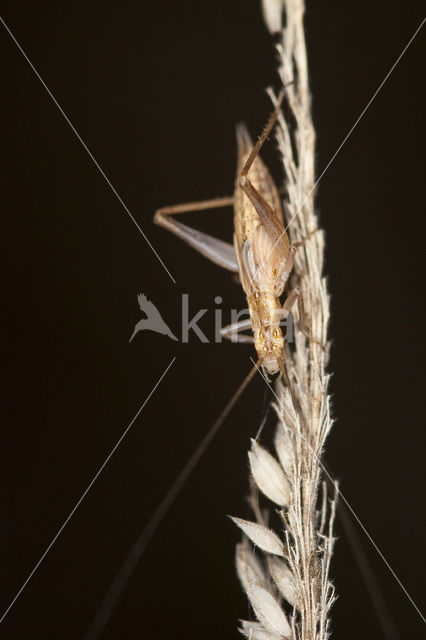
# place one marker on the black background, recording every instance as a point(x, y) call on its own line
point(155, 92)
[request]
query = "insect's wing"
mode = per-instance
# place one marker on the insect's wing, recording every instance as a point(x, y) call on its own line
point(244, 274)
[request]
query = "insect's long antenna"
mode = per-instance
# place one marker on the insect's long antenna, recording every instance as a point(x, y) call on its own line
point(265, 133)
point(116, 588)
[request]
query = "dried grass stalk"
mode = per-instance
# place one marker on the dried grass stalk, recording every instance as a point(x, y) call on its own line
point(287, 582)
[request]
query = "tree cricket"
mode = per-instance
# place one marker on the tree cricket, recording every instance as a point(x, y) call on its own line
point(261, 254)
point(263, 258)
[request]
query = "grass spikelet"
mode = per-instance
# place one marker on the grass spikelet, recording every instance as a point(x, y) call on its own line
point(297, 584)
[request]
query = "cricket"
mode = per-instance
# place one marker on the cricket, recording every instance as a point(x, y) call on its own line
point(261, 254)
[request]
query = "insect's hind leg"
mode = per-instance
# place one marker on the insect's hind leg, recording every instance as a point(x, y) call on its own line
point(263, 136)
point(212, 248)
point(272, 223)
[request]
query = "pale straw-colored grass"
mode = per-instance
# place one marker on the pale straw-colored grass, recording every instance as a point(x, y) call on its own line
point(286, 574)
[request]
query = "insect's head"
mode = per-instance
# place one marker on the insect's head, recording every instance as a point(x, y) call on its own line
point(269, 343)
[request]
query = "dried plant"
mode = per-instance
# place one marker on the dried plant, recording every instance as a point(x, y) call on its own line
point(288, 582)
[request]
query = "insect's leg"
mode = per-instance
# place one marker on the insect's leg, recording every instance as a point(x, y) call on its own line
point(273, 225)
point(263, 136)
point(214, 249)
point(270, 220)
point(232, 331)
point(301, 242)
point(296, 295)
point(293, 296)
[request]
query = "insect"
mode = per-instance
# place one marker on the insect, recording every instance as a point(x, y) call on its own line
point(261, 254)
point(263, 258)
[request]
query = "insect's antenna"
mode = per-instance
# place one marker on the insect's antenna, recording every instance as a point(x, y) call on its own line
point(116, 588)
point(265, 133)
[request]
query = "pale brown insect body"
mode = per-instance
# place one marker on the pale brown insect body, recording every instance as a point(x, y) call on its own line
point(261, 263)
point(261, 254)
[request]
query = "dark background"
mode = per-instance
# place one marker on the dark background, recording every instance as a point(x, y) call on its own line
point(155, 92)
